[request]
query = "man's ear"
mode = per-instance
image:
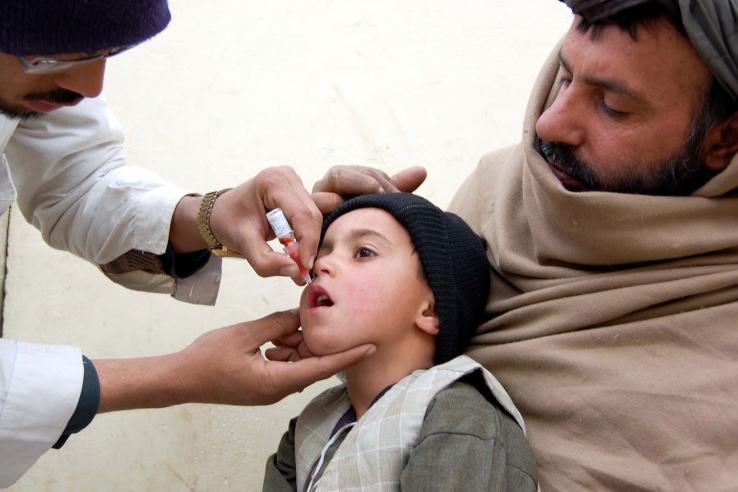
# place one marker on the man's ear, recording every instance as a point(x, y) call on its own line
point(427, 319)
point(721, 144)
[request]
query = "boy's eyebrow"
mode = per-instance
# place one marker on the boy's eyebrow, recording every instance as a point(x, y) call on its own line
point(359, 233)
point(327, 244)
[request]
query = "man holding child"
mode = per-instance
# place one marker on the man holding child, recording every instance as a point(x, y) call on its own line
point(613, 241)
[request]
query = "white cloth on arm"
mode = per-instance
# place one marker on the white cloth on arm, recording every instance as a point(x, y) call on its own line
point(73, 185)
point(39, 390)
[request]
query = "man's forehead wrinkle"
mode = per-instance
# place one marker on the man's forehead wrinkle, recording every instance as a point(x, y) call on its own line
point(609, 83)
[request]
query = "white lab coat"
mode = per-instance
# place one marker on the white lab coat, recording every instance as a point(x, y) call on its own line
point(73, 185)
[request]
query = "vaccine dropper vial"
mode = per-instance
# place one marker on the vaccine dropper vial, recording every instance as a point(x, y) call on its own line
point(286, 236)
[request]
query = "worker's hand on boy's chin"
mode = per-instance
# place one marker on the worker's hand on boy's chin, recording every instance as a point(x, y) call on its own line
point(343, 181)
point(229, 368)
point(290, 348)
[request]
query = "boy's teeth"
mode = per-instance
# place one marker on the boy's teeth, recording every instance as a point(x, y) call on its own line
point(323, 300)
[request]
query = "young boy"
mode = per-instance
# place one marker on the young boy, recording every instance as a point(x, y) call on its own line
point(396, 271)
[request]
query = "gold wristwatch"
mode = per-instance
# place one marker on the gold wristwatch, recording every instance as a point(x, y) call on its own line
point(203, 225)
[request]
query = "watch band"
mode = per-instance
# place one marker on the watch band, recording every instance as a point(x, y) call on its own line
point(203, 225)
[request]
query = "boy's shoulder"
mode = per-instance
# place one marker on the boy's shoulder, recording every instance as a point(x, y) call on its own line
point(466, 404)
point(467, 408)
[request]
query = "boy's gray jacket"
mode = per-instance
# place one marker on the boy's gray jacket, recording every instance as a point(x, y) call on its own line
point(376, 448)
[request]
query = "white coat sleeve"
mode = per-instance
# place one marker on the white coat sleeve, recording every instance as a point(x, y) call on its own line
point(40, 386)
point(74, 186)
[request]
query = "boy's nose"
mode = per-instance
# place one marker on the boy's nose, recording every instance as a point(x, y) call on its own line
point(323, 265)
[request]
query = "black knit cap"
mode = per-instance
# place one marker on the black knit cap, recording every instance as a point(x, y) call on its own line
point(453, 258)
point(52, 27)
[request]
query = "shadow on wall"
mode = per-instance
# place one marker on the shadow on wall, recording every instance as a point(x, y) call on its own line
point(3, 267)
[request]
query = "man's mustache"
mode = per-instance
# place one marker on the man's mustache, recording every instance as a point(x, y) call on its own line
point(562, 156)
point(59, 96)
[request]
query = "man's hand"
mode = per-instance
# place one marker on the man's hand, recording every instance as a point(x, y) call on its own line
point(222, 366)
point(290, 347)
point(342, 181)
point(238, 221)
point(238, 218)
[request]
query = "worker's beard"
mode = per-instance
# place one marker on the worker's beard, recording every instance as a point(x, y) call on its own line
point(61, 96)
point(6, 111)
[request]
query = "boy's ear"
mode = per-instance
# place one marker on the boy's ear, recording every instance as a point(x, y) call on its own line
point(427, 319)
point(721, 144)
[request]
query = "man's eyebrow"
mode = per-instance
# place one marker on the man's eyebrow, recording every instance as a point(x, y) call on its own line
point(612, 85)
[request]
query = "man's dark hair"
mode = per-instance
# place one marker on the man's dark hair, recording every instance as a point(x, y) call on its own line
point(720, 104)
point(629, 20)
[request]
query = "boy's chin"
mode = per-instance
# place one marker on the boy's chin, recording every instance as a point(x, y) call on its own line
point(320, 342)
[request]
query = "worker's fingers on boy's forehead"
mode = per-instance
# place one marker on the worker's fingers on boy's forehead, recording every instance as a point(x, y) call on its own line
point(382, 178)
point(354, 180)
point(326, 201)
point(409, 179)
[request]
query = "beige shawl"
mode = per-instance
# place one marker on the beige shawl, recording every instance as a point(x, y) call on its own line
point(615, 321)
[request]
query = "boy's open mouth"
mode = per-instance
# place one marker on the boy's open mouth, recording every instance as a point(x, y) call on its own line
point(319, 297)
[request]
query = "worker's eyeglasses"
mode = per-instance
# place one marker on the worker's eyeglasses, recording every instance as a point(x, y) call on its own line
point(39, 65)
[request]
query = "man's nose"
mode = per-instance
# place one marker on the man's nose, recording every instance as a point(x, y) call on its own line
point(86, 79)
point(563, 122)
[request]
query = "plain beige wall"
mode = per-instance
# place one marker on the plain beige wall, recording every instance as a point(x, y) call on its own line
point(233, 86)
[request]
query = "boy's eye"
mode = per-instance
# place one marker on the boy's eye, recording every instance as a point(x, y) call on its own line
point(365, 253)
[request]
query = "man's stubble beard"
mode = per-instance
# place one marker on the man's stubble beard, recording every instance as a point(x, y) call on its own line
point(678, 175)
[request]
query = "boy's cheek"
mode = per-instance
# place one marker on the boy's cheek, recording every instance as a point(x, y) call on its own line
point(368, 292)
point(373, 302)
point(367, 310)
